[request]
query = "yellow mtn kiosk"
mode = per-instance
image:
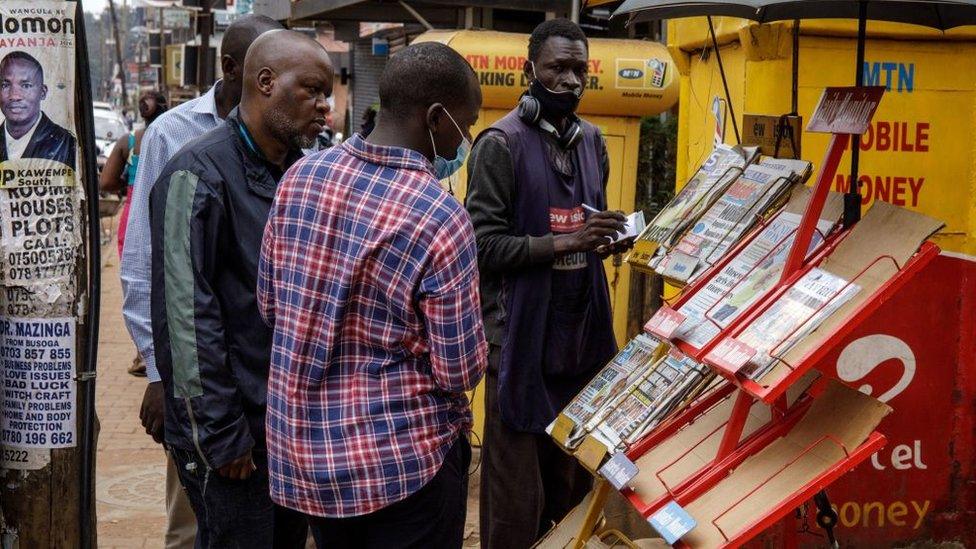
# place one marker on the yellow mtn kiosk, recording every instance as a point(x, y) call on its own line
point(628, 79)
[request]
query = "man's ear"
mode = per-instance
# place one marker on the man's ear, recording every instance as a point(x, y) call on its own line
point(266, 80)
point(528, 70)
point(228, 67)
point(434, 113)
point(43, 92)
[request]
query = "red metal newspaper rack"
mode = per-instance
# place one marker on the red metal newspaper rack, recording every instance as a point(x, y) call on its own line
point(730, 369)
point(842, 112)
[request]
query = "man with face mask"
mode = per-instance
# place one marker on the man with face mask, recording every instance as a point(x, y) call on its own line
point(533, 180)
point(207, 210)
point(369, 277)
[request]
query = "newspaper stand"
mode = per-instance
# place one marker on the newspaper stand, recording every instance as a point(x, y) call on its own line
point(843, 112)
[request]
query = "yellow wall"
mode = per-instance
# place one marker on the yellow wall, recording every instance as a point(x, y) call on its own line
point(936, 104)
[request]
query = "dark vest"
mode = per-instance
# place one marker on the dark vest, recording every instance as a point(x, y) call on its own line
point(551, 346)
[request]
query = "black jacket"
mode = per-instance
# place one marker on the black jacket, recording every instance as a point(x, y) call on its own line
point(207, 215)
point(49, 141)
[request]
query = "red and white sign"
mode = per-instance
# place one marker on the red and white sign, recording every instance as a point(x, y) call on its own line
point(846, 110)
point(664, 322)
point(730, 355)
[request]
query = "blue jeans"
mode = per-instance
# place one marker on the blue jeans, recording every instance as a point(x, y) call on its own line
point(237, 514)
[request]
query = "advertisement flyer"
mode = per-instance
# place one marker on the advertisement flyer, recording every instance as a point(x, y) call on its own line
point(39, 190)
point(41, 200)
point(37, 362)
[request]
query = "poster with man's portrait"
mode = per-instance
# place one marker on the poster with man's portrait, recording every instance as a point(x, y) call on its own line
point(40, 191)
point(40, 230)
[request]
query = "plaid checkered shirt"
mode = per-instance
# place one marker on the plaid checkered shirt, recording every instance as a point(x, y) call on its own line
point(368, 275)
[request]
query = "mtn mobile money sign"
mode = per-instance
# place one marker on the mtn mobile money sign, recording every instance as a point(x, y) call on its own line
point(40, 222)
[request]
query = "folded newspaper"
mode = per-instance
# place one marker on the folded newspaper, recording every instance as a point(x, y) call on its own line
point(752, 272)
point(649, 400)
point(813, 298)
point(720, 169)
point(611, 382)
point(752, 194)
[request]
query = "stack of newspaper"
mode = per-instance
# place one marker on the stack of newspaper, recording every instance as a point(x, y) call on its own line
point(748, 275)
point(721, 168)
point(633, 394)
point(754, 193)
point(649, 400)
point(813, 298)
point(631, 362)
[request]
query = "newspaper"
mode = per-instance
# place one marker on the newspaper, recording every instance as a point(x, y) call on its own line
point(649, 400)
point(612, 379)
point(799, 311)
point(731, 216)
point(745, 278)
point(719, 170)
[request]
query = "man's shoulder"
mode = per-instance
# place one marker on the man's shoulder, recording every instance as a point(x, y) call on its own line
point(202, 155)
point(177, 117)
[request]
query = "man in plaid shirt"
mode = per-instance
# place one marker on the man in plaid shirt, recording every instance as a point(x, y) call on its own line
point(368, 275)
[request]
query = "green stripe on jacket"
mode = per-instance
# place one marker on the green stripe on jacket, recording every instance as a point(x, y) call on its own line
point(180, 287)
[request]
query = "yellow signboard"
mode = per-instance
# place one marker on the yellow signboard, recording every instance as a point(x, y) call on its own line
point(174, 65)
point(626, 77)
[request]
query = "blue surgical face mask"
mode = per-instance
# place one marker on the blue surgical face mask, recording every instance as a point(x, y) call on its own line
point(444, 168)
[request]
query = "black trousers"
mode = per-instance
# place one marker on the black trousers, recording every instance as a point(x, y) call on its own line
point(527, 482)
point(432, 517)
point(235, 514)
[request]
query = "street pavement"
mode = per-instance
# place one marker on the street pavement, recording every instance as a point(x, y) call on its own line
point(131, 468)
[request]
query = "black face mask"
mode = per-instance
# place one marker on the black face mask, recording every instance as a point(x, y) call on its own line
point(557, 104)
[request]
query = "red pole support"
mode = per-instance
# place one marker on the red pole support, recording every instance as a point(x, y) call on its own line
point(804, 234)
point(737, 422)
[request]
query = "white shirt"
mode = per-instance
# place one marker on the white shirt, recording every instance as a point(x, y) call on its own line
point(17, 145)
point(162, 140)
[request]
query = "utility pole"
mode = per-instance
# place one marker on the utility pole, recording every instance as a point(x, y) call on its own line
point(205, 27)
point(118, 53)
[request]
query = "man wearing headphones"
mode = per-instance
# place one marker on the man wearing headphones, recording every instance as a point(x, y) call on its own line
point(536, 195)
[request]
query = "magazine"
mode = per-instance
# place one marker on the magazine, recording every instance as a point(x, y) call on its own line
point(813, 298)
point(745, 278)
point(758, 188)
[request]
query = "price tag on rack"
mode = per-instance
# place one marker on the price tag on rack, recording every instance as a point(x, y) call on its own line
point(731, 355)
point(619, 470)
point(672, 522)
point(664, 322)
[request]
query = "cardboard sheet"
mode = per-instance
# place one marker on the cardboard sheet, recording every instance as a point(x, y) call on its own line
point(841, 412)
point(884, 230)
point(646, 483)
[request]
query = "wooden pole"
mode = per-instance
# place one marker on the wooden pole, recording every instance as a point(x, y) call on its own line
point(118, 53)
point(52, 506)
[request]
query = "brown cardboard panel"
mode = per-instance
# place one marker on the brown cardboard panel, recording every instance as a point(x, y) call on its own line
point(564, 533)
point(786, 465)
point(647, 485)
point(884, 230)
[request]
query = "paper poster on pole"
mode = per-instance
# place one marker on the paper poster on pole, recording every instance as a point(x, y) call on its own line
point(39, 190)
point(41, 199)
point(37, 365)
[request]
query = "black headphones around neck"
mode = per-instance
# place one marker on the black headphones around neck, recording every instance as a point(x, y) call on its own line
point(530, 111)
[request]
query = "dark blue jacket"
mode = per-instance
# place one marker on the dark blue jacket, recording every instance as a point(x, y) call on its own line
point(207, 215)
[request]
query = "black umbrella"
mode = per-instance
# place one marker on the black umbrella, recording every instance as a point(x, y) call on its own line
point(939, 14)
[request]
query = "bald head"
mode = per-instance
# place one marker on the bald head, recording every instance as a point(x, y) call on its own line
point(243, 32)
point(287, 81)
point(237, 39)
